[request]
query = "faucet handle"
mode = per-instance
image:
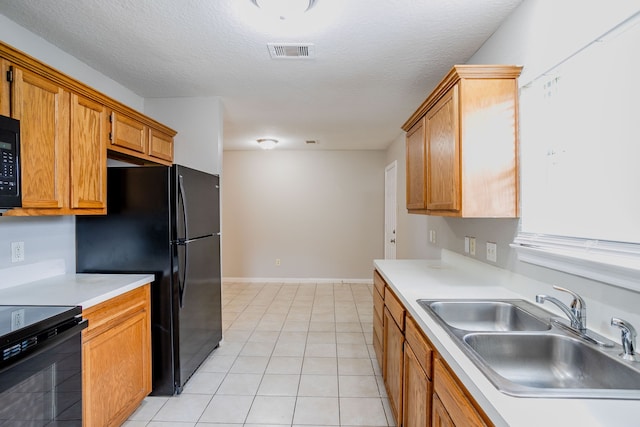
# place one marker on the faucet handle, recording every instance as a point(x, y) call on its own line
point(628, 339)
point(577, 303)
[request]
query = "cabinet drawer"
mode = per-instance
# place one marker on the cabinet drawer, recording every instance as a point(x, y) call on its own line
point(378, 282)
point(420, 346)
point(378, 304)
point(116, 310)
point(454, 399)
point(394, 306)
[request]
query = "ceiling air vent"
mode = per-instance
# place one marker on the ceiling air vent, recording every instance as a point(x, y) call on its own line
point(291, 50)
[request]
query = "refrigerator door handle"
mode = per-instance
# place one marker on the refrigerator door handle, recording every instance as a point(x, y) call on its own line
point(182, 284)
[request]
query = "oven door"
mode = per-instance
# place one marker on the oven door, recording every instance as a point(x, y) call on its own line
point(44, 388)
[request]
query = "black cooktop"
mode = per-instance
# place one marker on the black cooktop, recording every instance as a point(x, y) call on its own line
point(19, 321)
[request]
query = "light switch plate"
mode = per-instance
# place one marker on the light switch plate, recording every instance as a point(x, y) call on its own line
point(492, 252)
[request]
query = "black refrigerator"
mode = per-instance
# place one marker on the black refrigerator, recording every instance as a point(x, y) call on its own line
point(165, 221)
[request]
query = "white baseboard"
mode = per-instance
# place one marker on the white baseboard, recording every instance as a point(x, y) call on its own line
point(305, 280)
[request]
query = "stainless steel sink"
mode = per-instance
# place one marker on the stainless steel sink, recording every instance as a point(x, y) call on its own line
point(523, 353)
point(479, 315)
point(552, 365)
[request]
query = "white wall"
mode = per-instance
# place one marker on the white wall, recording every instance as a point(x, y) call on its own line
point(320, 212)
point(537, 35)
point(199, 123)
point(45, 238)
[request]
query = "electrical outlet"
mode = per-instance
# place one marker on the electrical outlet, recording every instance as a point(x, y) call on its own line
point(17, 251)
point(492, 252)
point(472, 246)
point(466, 244)
point(277, 261)
point(17, 319)
point(432, 236)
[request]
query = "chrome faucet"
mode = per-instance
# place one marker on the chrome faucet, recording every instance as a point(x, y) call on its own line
point(628, 339)
point(576, 311)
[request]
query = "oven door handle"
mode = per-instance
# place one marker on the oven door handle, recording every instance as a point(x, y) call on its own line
point(43, 346)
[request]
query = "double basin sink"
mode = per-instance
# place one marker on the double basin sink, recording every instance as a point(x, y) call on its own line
point(523, 353)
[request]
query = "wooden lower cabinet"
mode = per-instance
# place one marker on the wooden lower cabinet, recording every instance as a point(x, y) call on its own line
point(378, 322)
point(116, 358)
point(453, 396)
point(422, 390)
point(417, 390)
point(441, 417)
point(393, 361)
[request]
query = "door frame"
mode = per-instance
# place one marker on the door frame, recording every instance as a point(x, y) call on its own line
point(390, 209)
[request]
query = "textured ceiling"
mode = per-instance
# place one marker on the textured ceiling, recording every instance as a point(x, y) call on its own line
point(376, 60)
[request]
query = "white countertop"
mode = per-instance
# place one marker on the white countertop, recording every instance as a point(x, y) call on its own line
point(85, 290)
point(456, 277)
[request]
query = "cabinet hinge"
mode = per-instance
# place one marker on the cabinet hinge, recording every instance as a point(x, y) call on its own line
point(10, 74)
point(110, 118)
point(110, 136)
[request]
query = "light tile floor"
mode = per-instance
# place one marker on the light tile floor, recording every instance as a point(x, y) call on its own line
point(292, 355)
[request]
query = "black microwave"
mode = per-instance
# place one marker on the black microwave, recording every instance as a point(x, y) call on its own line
point(10, 188)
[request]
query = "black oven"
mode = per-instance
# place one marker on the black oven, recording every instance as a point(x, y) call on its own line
point(41, 366)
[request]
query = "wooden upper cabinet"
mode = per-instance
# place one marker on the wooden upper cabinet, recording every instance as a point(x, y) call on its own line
point(89, 132)
point(5, 89)
point(43, 110)
point(160, 145)
point(416, 167)
point(128, 133)
point(139, 142)
point(65, 134)
point(443, 154)
point(471, 139)
point(62, 144)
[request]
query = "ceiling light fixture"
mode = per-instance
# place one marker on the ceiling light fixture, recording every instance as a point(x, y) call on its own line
point(267, 143)
point(284, 9)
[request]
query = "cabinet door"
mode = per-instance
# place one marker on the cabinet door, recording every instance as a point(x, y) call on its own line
point(115, 376)
point(416, 167)
point(88, 153)
point(392, 368)
point(160, 145)
point(440, 416)
point(116, 358)
point(378, 333)
point(417, 392)
point(454, 398)
point(128, 133)
point(43, 110)
point(443, 154)
point(5, 97)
